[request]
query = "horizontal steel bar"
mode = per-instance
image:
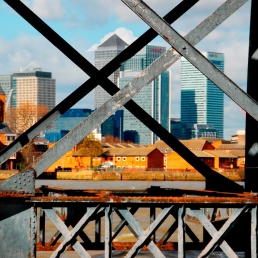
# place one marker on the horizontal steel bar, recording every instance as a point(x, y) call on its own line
point(194, 56)
point(145, 201)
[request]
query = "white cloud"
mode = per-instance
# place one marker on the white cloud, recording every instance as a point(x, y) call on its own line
point(125, 34)
point(21, 51)
point(47, 9)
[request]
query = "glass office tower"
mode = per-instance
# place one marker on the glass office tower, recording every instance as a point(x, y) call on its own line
point(154, 98)
point(202, 102)
point(103, 55)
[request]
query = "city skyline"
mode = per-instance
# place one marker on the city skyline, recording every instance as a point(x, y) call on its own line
point(76, 23)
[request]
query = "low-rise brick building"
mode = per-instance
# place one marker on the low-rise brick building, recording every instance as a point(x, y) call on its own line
point(135, 158)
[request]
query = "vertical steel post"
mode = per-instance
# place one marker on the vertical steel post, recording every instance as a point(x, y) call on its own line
point(108, 230)
point(251, 153)
point(152, 218)
point(42, 227)
point(98, 230)
point(181, 232)
point(254, 252)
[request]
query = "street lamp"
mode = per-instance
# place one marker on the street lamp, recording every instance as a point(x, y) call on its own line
point(166, 152)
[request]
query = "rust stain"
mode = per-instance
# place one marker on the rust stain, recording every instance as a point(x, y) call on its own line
point(165, 37)
point(169, 246)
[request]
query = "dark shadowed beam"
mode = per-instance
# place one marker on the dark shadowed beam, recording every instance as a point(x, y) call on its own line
point(251, 147)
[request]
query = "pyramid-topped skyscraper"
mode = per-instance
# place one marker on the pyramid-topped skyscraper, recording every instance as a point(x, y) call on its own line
point(103, 55)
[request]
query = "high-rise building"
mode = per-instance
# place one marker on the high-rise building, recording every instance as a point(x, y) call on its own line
point(35, 88)
point(65, 123)
point(113, 126)
point(202, 102)
point(103, 55)
point(154, 98)
point(29, 96)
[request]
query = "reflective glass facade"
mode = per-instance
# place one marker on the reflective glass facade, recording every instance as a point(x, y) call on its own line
point(202, 102)
point(103, 55)
point(154, 98)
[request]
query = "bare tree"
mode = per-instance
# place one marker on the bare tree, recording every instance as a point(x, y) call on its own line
point(20, 118)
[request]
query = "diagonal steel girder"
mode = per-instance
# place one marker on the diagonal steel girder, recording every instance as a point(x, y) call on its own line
point(227, 185)
point(70, 236)
point(117, 101)
point(212, 231)
point(219, 236)
point(186, 49)
point(51, 213)
point(97, 77)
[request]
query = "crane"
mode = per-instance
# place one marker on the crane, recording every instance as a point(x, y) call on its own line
point(8, 99)
point(22, 69)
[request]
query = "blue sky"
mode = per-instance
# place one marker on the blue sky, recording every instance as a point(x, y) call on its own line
point(86, 23)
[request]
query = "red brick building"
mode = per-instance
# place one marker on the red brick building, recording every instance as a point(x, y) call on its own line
point(135, 158)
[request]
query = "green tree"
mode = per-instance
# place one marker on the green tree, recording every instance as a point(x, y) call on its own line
point(90, 147)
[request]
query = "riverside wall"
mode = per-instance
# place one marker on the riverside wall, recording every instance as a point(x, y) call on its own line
point(127, 176)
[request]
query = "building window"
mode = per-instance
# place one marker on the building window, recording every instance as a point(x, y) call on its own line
point(143, 166)
point(124, 158)
point(137, 167)
point(143, 158)
point(137, 158)
point(118, 158)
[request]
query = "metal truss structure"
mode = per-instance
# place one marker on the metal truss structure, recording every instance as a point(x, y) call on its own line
point(23, 206)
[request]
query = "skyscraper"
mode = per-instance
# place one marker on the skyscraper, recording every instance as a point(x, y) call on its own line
point(35, 88)
point(154, 98)
point(103, 55)
point(202, 102)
